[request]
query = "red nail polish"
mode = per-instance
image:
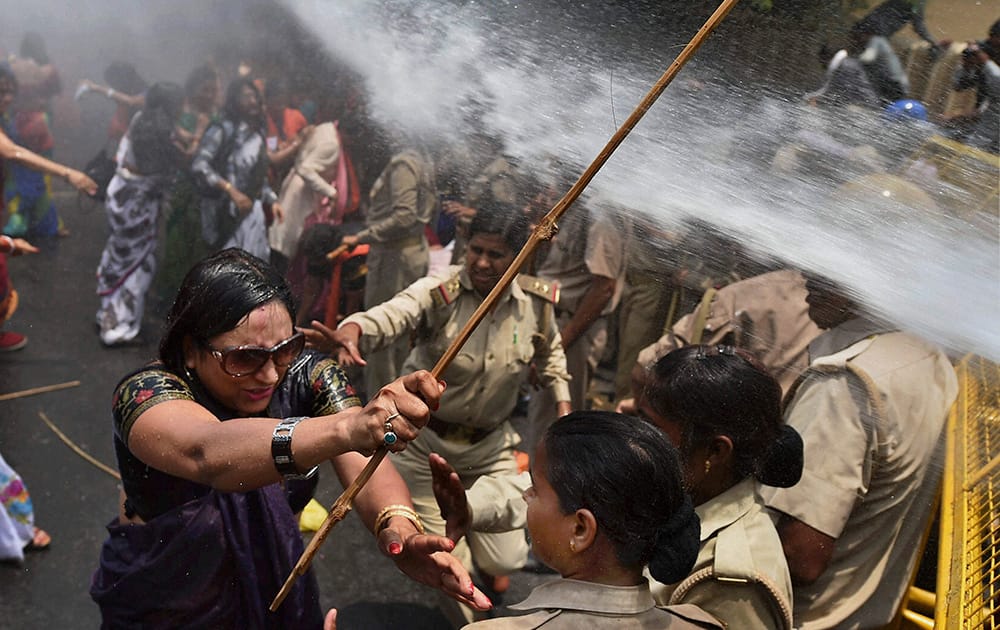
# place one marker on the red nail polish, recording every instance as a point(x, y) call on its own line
point(472, 590)
point(395, 548)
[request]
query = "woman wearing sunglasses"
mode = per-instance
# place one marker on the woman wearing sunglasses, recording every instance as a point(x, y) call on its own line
point(205, 536)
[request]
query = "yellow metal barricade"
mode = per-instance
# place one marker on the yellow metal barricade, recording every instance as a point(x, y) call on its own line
point(968, 586)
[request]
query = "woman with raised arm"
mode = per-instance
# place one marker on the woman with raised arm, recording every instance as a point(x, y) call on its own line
point(148, 156)
point(205, 535)
point(12, 152)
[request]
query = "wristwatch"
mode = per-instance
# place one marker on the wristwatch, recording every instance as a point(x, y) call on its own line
point(281, 450)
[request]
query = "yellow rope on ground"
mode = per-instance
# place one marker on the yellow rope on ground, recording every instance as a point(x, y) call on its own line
point(39, 390)
point(79, 451)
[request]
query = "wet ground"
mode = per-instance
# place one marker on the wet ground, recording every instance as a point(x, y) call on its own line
point(74, 499)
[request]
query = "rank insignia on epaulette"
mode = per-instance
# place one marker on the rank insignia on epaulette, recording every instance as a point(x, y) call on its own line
point(446, 292)
point(548, 290)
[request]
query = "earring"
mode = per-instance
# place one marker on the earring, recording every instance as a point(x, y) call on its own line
point(572, 546)
point(708, 466)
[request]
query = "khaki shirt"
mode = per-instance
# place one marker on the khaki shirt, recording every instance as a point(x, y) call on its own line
point(869, 481)
point(738, 543)
point(585, 246)
point(484, 378)
point(402, 200)
point(573, 604)
point(765, 314)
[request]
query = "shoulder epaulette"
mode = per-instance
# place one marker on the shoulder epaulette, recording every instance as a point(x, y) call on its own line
point(446, 292)
point(548, 290)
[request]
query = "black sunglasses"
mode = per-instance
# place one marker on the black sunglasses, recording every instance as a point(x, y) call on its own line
point(243, 360)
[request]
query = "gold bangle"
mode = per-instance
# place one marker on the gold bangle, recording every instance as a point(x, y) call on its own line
point(382, 520)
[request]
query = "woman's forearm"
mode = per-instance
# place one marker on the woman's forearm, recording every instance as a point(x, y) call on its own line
point(386, 486)
point(11, 151)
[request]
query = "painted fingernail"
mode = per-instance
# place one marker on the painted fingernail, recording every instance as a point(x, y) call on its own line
point(395, 548)
point(472, 590)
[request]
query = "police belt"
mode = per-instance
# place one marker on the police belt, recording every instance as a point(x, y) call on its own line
point(457, 432)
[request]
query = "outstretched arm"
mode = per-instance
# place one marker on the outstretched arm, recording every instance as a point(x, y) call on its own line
point(77, 179)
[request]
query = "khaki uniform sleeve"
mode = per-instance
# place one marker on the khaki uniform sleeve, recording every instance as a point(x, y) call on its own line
point(497, 503)
point(676, 338)
point(605, 249)
point(405, 219)
point(391, 320)
point(551, 363)
point(838, 454)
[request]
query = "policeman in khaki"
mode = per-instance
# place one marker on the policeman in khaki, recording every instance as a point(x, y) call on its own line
point(587, 258)
point(871, 410)
point(402, 202)
point(471, 428)
point(765, 314)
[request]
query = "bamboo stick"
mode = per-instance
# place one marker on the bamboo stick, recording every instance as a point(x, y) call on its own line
point(335, 254)
point(76, 449)
point(39, 390)
point(545, 230)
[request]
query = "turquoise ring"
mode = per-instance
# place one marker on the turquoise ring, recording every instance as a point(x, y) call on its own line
point(390, 436)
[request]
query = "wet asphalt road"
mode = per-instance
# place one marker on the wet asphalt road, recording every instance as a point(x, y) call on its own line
point(74, 500)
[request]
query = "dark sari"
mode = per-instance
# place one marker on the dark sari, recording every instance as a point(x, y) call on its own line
point(205, 558)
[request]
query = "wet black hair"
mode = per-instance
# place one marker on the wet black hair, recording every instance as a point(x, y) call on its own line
point(216, 295)
point(494, 217)
point(151, 132)
point(122, 76)
point(722, 390)
point(231, 107)
point(628, 474)
point(200, 75)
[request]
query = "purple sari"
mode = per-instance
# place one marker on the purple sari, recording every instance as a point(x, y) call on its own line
point(213, 562)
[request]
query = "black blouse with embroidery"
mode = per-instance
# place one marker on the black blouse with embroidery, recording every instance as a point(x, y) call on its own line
point(313, 386)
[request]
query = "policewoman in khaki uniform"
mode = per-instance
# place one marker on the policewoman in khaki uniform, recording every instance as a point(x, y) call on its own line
point(402, 202)
point(590, 521)
point(471, 427)
point(723, 411)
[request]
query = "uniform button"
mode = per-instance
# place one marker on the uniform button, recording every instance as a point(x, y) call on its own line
point(489, 356)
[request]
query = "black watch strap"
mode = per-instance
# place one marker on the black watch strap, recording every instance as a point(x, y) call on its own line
point(281, 450)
